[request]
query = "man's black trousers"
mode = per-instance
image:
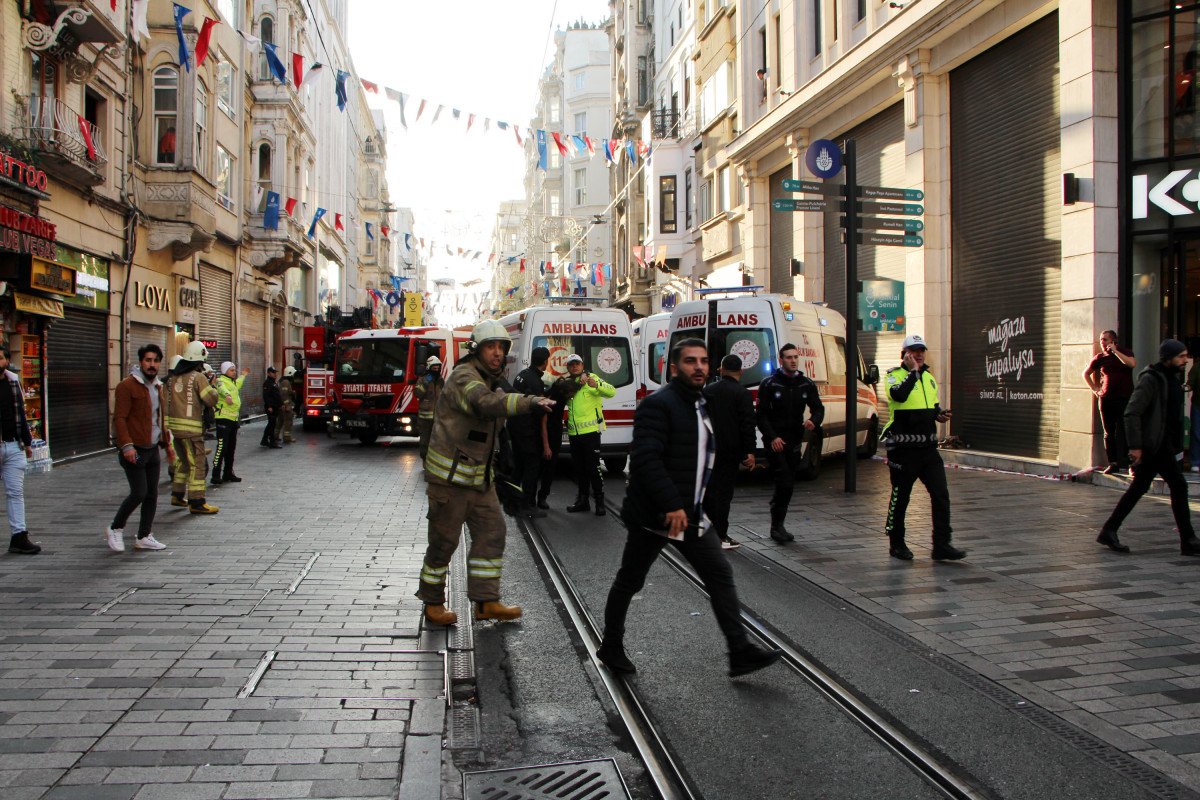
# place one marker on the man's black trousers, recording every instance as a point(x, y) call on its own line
point(227, 430)
point(268, 436)
point(529, 466)
point(1112, 417)
point(1161, 463)
point(143, 489)
point(906, 467)
point(585, 454)
point(704, 554)
point(718, 494)
point(783, 466)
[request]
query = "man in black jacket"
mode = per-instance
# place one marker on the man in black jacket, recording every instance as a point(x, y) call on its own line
point(1154, 431)
point(272, 401)
point(527, 431)
point(672, 447)
point(782, 399)
point(731, 410)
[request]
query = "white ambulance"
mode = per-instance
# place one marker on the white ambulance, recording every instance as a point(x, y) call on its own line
point(604, 338)
point(754, 326)
point(650, 335)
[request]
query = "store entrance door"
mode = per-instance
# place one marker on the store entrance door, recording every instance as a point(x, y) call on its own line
point(1166, 293)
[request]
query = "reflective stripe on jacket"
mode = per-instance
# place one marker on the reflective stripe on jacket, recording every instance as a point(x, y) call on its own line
point(585, 411)
point(913, 407)
point(187, 397)
point(428, 389)
point(229, 397)
point(467, 421)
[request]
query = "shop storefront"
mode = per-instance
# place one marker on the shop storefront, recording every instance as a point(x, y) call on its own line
point(1160, 159)
point(151, 311)
point(187, 312)
point(216, 313)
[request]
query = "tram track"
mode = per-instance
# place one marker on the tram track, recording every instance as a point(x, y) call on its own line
point(663, 766)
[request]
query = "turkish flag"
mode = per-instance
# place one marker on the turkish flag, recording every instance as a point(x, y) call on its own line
point(202, 40)
point(86, 129)
point(290, 206)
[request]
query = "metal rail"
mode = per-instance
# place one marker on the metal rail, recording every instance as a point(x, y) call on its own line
point(668, 777)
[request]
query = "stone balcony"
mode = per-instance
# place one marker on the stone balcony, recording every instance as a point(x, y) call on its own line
point(181, 208)
point(274, 252)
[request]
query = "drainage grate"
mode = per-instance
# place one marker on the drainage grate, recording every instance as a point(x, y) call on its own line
point(464, 732)
point(573, 780)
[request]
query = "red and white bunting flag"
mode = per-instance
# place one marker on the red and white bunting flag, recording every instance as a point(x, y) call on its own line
point(289, 206)
point(470, 122)
point(337, 223)
point(643, 148)
point(203, 38)
point(562, 148)
point(437, 114)
point(384, 230)
point(517, 133)
point(563, 284)
point(297, 69)
point(371, 87)
point(85, 128)
point(420, 111)
point(591, 144)
point(522, 265)
point(140, 29)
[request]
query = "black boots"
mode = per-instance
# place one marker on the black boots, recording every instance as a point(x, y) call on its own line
point(600, 509)
point(1189, 545)
point(580, 504)
point(21, 545)
point(1109, 539)
point(898, 549)
point(780, 533)
point(750, 658)
point(613, 656)
point(947, 552)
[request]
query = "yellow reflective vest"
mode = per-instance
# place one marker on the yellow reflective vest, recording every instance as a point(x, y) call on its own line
point(585, 411)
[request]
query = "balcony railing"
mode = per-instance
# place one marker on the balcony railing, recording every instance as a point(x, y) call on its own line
point(57, 130)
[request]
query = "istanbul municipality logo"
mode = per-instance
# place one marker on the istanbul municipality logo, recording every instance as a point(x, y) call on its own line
point(823, 158)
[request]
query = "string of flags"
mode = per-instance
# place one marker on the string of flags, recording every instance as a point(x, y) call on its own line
point(272, 210)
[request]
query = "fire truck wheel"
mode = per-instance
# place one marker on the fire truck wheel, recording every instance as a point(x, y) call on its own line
point(368, 438)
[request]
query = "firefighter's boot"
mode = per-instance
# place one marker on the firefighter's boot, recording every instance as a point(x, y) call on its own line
point(440, 615)
point(494, 609)
point(202, 507)
point(177, 500)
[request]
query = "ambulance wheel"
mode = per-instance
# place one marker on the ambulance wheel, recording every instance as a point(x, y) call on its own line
point(368, 438)
point(615, 464)
point(810, 462)
point(871, 445)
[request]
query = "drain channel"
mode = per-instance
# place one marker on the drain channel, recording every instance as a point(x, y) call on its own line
point(572, 780)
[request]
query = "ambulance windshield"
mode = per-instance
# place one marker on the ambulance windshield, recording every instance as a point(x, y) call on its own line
point(755, 346)
point(607, 356)
point(371, 360)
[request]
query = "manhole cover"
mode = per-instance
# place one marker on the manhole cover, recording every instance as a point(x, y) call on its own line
point(573, 780)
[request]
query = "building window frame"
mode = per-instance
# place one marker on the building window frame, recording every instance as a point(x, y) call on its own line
point(224, 179)
point(200, 148)
point(668, 221)
point(165, 91)
point(580, 181)
point(226, 83)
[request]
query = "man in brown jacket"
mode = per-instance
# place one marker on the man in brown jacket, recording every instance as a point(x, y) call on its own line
point(140, 423)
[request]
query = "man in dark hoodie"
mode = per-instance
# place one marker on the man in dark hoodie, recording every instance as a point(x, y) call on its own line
point(674, 449)
point(1154, 431)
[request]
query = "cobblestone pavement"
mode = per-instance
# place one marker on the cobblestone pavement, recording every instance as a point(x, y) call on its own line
point(125, 674)
point(1109, 642)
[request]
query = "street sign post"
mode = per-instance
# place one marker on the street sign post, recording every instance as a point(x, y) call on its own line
point(888, 193)
point(812, 187)
point(904, 209)
point(786, 204)
point(886, 240)
point(849, 160)
point(888, 224)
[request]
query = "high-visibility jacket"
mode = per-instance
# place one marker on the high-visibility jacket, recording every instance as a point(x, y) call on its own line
point(913, 405)
point(428, 389)
point(585, 411)
point(187, 397)
point(229, 397)
point(467, 422)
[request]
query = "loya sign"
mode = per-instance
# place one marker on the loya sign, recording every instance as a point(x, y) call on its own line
point(1159, 195)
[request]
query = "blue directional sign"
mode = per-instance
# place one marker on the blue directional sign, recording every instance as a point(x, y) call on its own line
point(881, 305)
point(824, 158)
point(787, 204)
point(812, 187)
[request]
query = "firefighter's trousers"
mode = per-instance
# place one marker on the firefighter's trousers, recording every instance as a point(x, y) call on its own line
point(449, 508)
point(191, 467)
point(285, 419)
point(424, 430)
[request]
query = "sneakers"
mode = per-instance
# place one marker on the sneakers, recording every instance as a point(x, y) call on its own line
point(148, 542)
point(202, 507)
point(494, 609)
point(1189, 546)
point(1109, 539)
point(116, 539)
point(615, 659)
point(751, 658)
point(600, 509)
point(215, 482)
point(729, 544)
point(21, 545)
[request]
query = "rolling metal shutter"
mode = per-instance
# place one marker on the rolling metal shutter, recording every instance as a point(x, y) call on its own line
point(142, 334)
point(1007, 247)
point(782, 249)
point(77, 383)
point(216, 309)
point(879, 144)
point(252, 352)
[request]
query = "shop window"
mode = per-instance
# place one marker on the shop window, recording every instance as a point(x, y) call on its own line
point(201, 148)
point(1149, 99)
point(666, 204)
point(166, 111)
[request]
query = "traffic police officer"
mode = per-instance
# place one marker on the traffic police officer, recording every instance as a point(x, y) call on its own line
point(459, 471)
point(585, 422)
point(188, 395)
point(428, 388)
point(911, 440)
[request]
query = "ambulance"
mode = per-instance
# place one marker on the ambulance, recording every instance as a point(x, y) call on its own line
point(754, 326)
point(604, 338)
point(650, 335)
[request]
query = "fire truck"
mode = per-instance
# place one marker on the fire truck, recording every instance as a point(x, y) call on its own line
point(374, 373)
point(314, 362)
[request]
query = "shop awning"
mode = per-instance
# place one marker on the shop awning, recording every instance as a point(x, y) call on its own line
point(32, 304)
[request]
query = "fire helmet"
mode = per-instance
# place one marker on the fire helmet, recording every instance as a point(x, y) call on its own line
point(490, 331)
point(433, 361)
point(289, 372)
point(195, 351)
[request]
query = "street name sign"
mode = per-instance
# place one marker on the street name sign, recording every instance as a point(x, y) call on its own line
point(889, 193)
point(799, 205)
point(888, 224)
point(890, 241)
point(907, 209)
point(813, 187)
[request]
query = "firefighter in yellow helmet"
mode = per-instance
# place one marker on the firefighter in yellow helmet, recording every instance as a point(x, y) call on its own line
point(189, 393)
point(428, 389)
point(459, 471)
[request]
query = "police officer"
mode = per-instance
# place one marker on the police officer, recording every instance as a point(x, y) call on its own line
point(188, 395)
point(459, 471)
point(527, 433)
point(782, 400)
point(585, 422)
point(428, 389)
point(911, 441)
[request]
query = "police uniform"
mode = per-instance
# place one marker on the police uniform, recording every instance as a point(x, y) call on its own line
point(782, 401)
point(459, 472)
point(188, 395)
point(911, 441)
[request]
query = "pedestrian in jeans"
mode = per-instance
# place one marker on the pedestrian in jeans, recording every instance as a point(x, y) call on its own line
point(1114, 364)
point(17, 447)
point(229, 410)
point(670, 469)
point(139, 420)
point(1154, 428)
point(272, 400)
point(732, 412)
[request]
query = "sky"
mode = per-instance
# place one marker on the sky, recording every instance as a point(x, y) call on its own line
point(483, 57)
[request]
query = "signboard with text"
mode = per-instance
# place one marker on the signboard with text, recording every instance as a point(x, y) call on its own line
point(881, 306)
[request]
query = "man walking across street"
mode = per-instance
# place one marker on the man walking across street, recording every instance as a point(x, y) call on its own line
point(911, 440)
point(188, 395)
point(272, 400)
point(670, 468)
point(229, 410)
point(1114, 364)
point(16, 448)
point(459, 473)
point(429, 387)
point(527, 433)
point(731, 410)
point(782, 400)
point(139, 420)
point(585, 422)
point(1154, 427)
point(285, 419)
